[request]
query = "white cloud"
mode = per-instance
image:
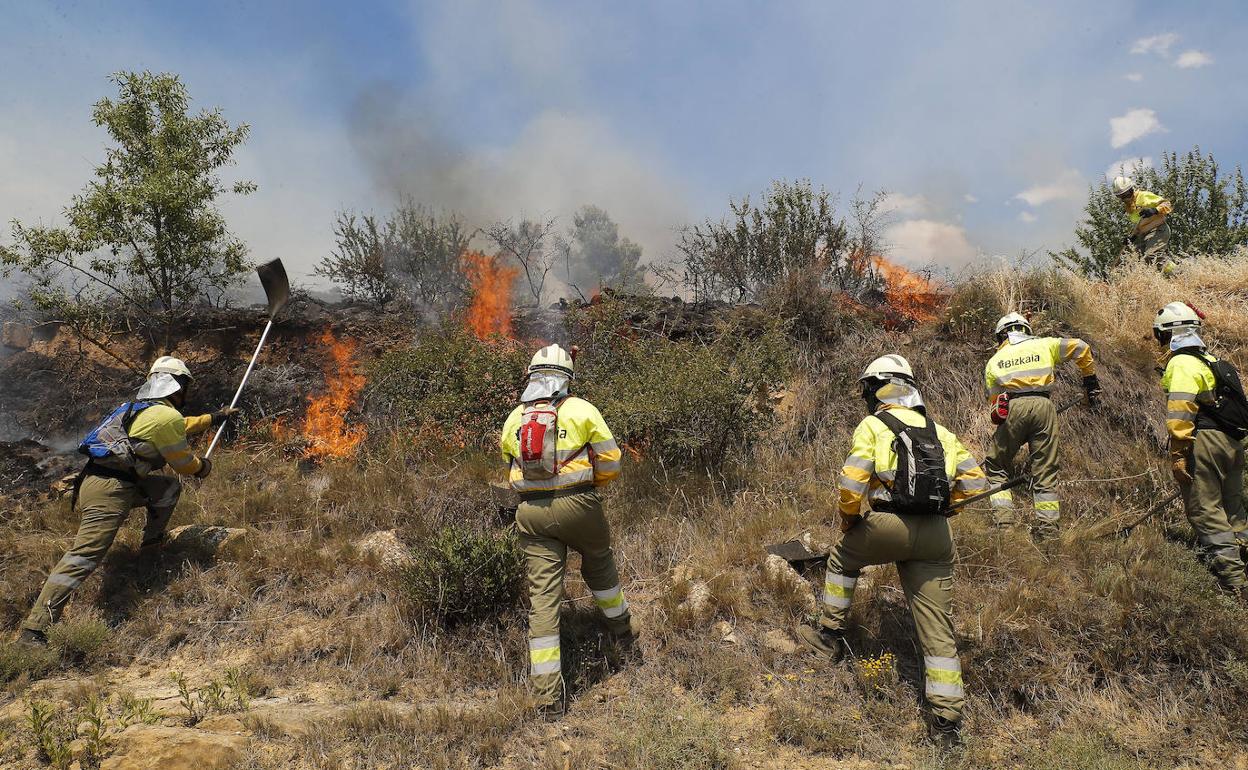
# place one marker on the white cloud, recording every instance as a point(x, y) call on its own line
point(1128, 166)
point(1027, 216)
point(1135, 124)
point(1193, 59)
point(1157, 44)
point(1070, 184)
point(925, 241)
point(1134, 77)
point(970, 198)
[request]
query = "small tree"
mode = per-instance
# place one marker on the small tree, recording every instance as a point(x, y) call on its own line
point(144, 241)
point(1210, 213)
point(794, 233)
point(414, 253)
point(599, 256)
point(534, 246)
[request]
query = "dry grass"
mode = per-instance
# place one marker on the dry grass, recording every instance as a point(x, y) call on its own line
point(1084, 653)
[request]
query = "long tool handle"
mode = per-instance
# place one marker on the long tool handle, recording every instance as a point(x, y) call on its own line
point(239, 392)
point(989, 493)
point(1156, 509)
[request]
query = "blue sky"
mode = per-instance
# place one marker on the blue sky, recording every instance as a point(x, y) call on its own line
point(986, 121)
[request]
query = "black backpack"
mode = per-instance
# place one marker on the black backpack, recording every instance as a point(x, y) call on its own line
point(921, 486)
point(1229, 412)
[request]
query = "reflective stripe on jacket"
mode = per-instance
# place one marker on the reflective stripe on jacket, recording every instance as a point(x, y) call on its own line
point(1188, 382)
point(1147, 200)
point(1029, 365)
point(159, 434)
point(872, 464)
point(587, 451)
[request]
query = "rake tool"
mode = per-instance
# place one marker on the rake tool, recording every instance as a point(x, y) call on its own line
point(277, 291)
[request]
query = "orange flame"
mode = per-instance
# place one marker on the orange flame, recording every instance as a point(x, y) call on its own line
point(324, 426)
point(489, 315)
point(913, 297)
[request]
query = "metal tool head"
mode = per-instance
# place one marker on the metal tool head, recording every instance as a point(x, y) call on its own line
point(796, 553)
point(276, 286)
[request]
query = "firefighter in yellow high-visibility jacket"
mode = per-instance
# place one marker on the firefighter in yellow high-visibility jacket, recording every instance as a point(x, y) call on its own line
point(1206, 450)
point(919, 542)
point(560, 508)
point(1019, 378)
point(125, 452)
point(1150, 233)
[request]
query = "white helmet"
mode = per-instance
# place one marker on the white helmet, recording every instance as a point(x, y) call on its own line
point(552, 358)
point(887, 367)
point(165, 378)
point(1011, 320)
point(1177, 315)
point(1123, 186)
point(171, 365)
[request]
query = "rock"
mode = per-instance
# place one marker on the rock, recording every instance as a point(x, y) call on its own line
point(144, 747)
point(698, 602)
point(780, 642)
point(16, 335)
point(222, 723)
point(207, 539)
point(725, 632)
point(781, 578)
point(387, 549)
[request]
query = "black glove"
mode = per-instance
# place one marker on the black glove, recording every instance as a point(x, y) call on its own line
point(223, 415)
point(1092, 387)
point(1148, 212)
point(1126, 241)
point(205, 467)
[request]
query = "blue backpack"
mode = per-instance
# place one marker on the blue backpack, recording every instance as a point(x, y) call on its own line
point(111, 438)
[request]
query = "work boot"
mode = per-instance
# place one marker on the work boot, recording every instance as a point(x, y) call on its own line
point(1043, 531)
point(824, 642)
point(553, 711)
point(32, 638)
point(945, 733)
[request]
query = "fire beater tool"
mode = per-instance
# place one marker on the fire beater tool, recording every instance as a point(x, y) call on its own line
point(277, 291)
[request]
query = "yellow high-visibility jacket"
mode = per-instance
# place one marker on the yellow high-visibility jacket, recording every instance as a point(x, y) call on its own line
point(158, 436)
point(1147, 200)
point(871, 466)
point(587, 452)
point(1188, 382)
point(1029, 366)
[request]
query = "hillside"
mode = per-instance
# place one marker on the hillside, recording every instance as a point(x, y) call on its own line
point(360, 607)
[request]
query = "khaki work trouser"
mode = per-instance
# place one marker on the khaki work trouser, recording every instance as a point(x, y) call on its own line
point(1032, 420)
point(547, 528)
point(922, 547)
point(1154, 248)
point(105, 503)
point(1214, 503)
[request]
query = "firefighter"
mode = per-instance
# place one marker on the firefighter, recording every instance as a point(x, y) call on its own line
point(560, 453)
point(124, 452)
point(896, 529)
point(1019, 378)
point(1206, 453)
point(1150, 234)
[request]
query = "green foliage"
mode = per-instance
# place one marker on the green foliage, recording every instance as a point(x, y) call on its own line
point(600, 257)
point(144, 238)
point(462, 575)
point(135, 710)
point(679, 401)
point(78, 641)
point(795, 230)
point(52, 731)
point(413, 254)
point(18, 660)
point(450, 385)
point(1210, 213)
point(1086, 752)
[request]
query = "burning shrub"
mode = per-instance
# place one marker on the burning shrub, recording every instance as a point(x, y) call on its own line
point(450, 385)
point(464, 575)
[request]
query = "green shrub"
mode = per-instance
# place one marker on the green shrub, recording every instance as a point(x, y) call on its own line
point(680, 401)
point(449, 385)
point(17, 660)
point(78, 641)
point(463, 575)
